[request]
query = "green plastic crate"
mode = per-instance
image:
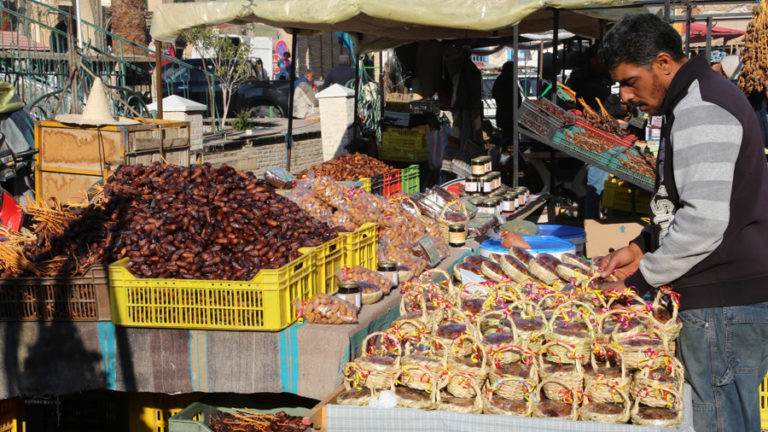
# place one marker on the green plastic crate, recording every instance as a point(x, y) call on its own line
point(410, 179)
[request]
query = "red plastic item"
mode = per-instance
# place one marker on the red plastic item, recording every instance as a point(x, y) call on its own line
point(10, 213)
point(392, 183)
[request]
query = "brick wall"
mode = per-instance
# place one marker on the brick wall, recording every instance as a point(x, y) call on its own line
point(259, 158)
point(320, 53)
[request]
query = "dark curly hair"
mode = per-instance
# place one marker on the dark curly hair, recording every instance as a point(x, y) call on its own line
point(638, 39)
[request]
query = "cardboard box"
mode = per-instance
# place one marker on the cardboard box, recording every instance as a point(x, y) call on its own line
point(604, 236)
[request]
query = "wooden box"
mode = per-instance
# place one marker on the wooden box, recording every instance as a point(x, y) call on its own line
point(73, 158)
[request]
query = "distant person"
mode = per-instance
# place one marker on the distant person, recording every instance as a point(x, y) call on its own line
point(259, 72)
point(285, 66)
point(304, 100)
point(341, 74)
point(503, 92)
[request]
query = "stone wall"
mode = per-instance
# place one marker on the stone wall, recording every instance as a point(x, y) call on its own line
point(260, 157)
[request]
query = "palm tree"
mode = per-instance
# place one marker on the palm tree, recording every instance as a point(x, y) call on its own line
point(129, 22)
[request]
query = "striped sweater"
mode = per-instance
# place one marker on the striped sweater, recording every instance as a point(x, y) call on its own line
point(709, 214)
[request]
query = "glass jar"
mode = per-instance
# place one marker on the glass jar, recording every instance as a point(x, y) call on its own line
point(472, 184)
point(487, 207)
point(508, 203)
point(457, 235)
point(497, 205)
point(388, 269)
point(481, 165)
point(350, 291)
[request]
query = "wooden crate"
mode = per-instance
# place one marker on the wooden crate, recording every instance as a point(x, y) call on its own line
point(72, 158)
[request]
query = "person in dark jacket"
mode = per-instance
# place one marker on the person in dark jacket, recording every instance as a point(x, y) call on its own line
point(503, 92)
point(341, 74)
point(708, 235)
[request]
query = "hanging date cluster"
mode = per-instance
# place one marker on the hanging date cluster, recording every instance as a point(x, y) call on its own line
point(206, 223)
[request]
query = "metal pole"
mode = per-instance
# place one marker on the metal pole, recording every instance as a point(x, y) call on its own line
point(159, 78)
point(292, 80)
point(357, 94)
point(667, 10)
point(515, 108)
point(551, 216)
point(688, 30)
point(79, 26)
point(709, 37)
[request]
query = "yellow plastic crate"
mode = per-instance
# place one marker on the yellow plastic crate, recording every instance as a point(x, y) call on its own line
point(617, 195)
point(11, 415)
point(764, 403)
point(404, 144)
point(267, 302)
point(329, 257)
point(149, 412)
point(366, 181)
point(360, 246)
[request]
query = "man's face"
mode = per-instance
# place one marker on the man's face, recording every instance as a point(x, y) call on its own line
point(641, 86)
point(310, 77)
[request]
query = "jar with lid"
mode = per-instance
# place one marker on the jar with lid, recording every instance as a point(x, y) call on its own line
point(388, 269)
point(481, 165)
point(509, 202)
point(350, 291)
point(472, 184)
point(487, 207)
point(496, 205)
point(457, 235)
point(522, 192)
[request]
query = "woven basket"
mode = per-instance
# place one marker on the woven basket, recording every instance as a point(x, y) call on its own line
point(515, 387)
point(537, 408)
point(416, 377)
point(450, 291)
point(344, 399)
point(494, 391)
point(425, 354)
point(573, 377)
point(444, 223)
point(533, 339)
point(443, 399)
point(674, 325)
point(636, 355)
point(412, 323)
point(676, 407)
point(654, 392)
point(587, 413)
point(602, 389)
point(455, 315)
point(581, 345)
point(369, 373)
point(478, 369)
point(621, 315)
point(493, 321)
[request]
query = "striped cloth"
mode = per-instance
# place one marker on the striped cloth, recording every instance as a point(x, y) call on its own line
point(342, 418)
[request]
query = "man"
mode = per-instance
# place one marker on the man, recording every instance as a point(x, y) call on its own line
point(503, 92)
point(285, 66)
point(341, 74)
point(259, 72)
point(709, 219)
point(304, 100)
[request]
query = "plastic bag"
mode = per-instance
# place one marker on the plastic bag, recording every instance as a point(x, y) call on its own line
point(362, 274)
point(362, 210)
point(342, 221)
point(325, 309)
point(330, 192)
point(310, 203)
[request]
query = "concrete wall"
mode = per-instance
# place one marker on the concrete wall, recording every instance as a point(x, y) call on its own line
point(259, 158)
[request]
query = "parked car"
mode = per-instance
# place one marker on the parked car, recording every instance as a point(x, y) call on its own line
point(261, 98)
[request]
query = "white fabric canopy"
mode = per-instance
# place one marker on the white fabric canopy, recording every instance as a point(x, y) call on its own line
point(378, 24)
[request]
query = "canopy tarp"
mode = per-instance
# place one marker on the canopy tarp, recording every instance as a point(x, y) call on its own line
point(379, 24)
point(699, 32)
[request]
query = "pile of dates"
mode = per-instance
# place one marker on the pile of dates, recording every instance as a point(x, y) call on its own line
point(348, 167)
point(206, 223)
point(248, 421)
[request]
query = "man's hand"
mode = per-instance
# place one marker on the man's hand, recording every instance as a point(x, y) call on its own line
point(621, 263)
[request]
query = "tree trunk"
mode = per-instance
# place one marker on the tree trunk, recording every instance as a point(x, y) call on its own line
point(129, 22)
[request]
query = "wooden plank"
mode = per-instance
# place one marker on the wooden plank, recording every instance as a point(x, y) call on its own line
point(79, 148)
point(173, 157)
point(317, 417)
point(65, 187)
